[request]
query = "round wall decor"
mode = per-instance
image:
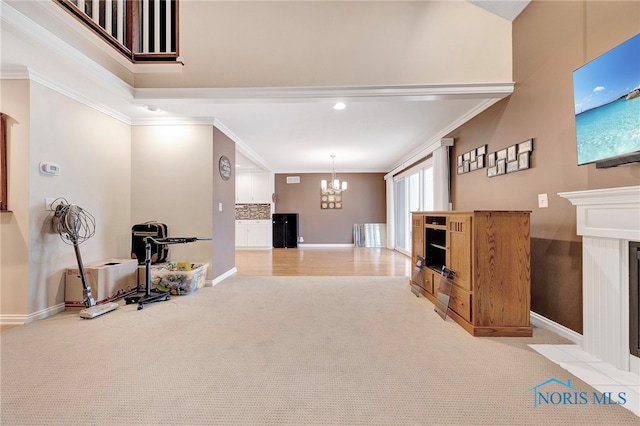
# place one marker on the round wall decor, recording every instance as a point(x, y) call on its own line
point(224, 167)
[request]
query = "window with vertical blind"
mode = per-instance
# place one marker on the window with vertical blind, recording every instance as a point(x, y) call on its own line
point(413, 192)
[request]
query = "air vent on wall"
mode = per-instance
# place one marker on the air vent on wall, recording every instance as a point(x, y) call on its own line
point(293, 179)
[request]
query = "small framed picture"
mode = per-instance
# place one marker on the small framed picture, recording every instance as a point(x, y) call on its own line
point(466, 156)
point(473, 155)
point(523, 160)
point(492, 171)
point(473, 166)
point(460, 170)
point(512, 153)
point(512, 166)
point(459, 160)
point(482, 150)
point(525, 146)
point(465, 167)
point(501, 154)
point(491, 159)
point(480, 161)
point(502, 166)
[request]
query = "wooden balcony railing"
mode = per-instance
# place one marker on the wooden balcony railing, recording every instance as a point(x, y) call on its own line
point(142, 30)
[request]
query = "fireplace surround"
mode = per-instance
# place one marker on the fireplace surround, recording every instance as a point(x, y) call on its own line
point(608, 221)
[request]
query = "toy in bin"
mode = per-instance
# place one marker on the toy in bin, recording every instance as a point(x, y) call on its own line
point(179, 278)
point(149, 297)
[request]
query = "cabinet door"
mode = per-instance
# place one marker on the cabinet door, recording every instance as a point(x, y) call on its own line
point(261, 188)
point(417, 237)
point(243, 188)
point(291, 230)
point(278, 230)
point(241, 233)
point(259, 233)
point(459, 249)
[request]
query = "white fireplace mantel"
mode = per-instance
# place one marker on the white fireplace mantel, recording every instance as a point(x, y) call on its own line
point(608, 219)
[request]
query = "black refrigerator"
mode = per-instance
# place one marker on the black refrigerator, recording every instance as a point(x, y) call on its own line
point(285, 230)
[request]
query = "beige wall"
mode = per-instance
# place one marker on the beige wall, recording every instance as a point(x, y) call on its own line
point(363, 202)
point(286, 44)
point(550, 40)
point(93, 151)
point(171, 183)
point(14, 225)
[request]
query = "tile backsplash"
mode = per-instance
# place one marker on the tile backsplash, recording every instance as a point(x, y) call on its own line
point(253, 211)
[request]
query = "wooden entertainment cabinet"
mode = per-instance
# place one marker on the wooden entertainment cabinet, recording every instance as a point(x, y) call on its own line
point(489, 251)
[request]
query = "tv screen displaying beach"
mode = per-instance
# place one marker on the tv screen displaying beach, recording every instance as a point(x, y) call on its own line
point(607, 103)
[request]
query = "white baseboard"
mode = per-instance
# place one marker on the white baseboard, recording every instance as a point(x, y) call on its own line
point(220, 278)
point(323, 245)
point(18, 319)
point(539, 321)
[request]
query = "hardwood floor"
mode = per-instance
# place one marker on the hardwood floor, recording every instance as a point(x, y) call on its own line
point(356, 261)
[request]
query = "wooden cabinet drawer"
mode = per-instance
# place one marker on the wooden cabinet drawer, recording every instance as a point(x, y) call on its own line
point(428, 280)
point(460, 302)
point(424, 280)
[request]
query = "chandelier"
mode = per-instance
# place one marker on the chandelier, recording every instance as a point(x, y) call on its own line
point(334, 184)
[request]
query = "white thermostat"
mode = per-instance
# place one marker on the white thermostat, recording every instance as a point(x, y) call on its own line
point(49, 169)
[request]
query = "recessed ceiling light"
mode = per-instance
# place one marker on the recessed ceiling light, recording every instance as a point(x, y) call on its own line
point(339, 106)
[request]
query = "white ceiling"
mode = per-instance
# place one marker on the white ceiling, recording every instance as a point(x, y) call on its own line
point(295, 130)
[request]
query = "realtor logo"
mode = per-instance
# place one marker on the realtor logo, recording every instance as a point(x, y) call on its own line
point(557, 392)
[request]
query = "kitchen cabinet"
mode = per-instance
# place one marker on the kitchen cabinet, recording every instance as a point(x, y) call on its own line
point(253, 233)
point(254, 188)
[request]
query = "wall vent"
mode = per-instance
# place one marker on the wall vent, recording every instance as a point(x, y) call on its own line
point(293, 179)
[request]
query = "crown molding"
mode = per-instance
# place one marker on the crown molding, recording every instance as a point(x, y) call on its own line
point(24, 73)
point(242, 146)
point(435, 142)
point(291, 94)
point(172, 121)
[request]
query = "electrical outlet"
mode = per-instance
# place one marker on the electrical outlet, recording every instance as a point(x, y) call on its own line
point(50, 204)
point(543, 201)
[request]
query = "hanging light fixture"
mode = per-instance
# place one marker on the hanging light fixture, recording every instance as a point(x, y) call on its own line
point(334, 184)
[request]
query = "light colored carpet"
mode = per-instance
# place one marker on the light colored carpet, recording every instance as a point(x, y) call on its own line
point(279, 351)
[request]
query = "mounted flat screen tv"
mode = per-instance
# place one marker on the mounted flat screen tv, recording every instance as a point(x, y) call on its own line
point(607, 107)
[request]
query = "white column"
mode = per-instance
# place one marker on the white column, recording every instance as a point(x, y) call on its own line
point(441, 178)
point(605, 296)
point(391, 217)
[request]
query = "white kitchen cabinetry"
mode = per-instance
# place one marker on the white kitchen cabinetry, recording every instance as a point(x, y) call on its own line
point(253, 233)
point(241, 233)
point(254, 188)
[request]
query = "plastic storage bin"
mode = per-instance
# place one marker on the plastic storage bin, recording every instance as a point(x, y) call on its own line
point(173, 278)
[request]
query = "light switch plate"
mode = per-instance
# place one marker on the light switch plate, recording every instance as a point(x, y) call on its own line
point(50, 203)
point(543, 201)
